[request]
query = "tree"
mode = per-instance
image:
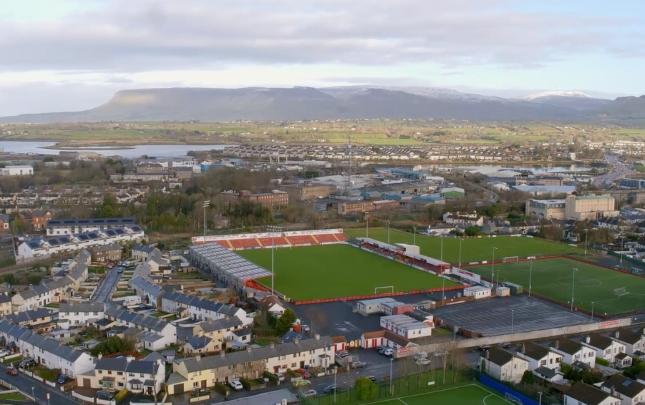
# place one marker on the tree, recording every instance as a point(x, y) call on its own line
point(284, 323)
point(472, 231)
point(365, 389)
point(10, 279)
point(528, 378)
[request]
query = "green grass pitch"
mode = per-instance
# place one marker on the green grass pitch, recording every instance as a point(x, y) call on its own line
point(472, 249)
point(610, 291)
point(472, 394)
point(333, 271)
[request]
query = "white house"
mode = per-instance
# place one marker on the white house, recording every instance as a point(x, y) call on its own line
point(80, 314)
point(503, 365)
point(633, 341)
point(200, 309)
point(46, 351)
point(138, 376)
point(585, 394)
point(604, 347)
point(159, 332)
point(575, 352)
point(629, 391)
point(539, 356)
point(17, 170)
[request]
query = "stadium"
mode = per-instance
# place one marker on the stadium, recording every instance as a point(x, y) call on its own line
point(319, 266)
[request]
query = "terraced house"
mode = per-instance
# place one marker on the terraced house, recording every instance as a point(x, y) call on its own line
point(46, 351)
point(205, 372)
point(138, 376)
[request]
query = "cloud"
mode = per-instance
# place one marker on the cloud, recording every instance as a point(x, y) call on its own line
point(131, 36)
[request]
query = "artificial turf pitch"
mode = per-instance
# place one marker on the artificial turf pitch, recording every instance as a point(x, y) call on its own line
point(335, 271)
point(472, 249)
point(471, 394)
point(610, 291)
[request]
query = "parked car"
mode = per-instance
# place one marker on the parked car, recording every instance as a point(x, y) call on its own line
point(381, 349)
point(309, 393)
point(423, 362)
point(236, 384)
point(299, 382)
point(358, 364)
point(388, 352)
point(61, 379)
point(371, 378)
point(342, 354)
point(329, 389)
point(12, 370)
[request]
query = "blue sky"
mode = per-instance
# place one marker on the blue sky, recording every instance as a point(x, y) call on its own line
point(69, 55)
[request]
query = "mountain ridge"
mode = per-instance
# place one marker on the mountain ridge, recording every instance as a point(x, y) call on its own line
point(348, 102)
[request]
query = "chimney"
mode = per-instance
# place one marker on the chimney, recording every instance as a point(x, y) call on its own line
point(487, 354)
point(129, 358)
point(587, 339)
point(272, 345)
point(222, 354)
point(249, 349)
point(557, 344)
point(100, 356)
point(523, 348)
point(617, 334)
point(198, 357)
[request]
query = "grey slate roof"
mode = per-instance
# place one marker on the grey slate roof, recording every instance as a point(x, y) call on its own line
point(599, 341)
point(206, 363)
point(44, 343)
point(628, 336)
point(535, 351)
point(139, 320)
point(587, 394)
point(220, 324)
point(82, 307)
point(198, 342)
point(30, 315)
point(499, 356)
point(569, 346)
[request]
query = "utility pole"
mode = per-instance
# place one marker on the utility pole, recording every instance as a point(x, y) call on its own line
point(512, 321)
point(573, 285)
point(414, 235)
point(388, 231)
point(460, 240)
point(205, 205)
point(530, 276)
point(492, 272)
point(441, 247)
point(391, 371)
point(367, 224)
point(273, 229)
point(586, 240)
point(592, 304)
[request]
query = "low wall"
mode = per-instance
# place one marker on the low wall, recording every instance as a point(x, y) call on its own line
point(524, 336)
point(380, 295)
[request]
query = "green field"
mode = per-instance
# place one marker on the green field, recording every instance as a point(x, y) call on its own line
point(471, 394)
point(553, 278)
point(334, 271)
point(472, 249)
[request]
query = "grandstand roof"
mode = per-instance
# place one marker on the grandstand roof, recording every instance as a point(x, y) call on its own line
point(227, 262)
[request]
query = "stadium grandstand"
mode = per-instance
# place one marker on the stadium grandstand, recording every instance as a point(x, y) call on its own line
point(224, 264)
point(402, 253)
point(245, 241)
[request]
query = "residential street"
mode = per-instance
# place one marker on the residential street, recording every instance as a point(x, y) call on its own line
point(106, 286)
point(40, 390)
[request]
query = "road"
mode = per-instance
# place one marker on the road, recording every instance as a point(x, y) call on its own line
point(106, 286)
point(40, 390)
point(617, 170)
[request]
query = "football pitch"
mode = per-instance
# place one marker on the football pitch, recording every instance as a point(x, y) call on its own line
point(471, 394)
point(611, 292)
point(334, 271)
point(472, 249)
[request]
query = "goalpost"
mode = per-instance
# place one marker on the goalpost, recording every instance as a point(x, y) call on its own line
point(390, 287)
point(512, 398)
point(511, 259)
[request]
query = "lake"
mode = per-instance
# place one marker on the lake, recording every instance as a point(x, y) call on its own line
point(129, 152)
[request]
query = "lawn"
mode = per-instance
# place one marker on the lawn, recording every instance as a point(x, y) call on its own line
point(471, 394)
point(472, 249)
point(334, 271)
point(610, 291)
point(12, 396)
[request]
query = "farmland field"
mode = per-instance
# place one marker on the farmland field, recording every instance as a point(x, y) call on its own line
point(472, 249)
point(333, 271)
point(610, 291)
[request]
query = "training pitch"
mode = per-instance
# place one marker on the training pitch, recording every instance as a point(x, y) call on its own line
point(336, 271)
point(472, 249)
point(611, 292)
point(471, 394)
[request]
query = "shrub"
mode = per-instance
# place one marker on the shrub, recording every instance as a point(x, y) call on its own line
point(120, 396)
point(221, 389)
point(365, 389)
